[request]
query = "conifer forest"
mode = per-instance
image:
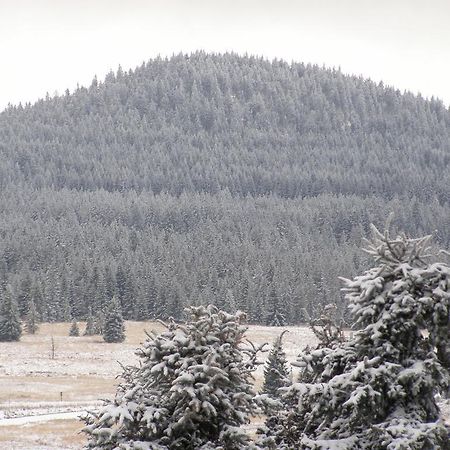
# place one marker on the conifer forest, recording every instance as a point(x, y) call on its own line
point(212, 179)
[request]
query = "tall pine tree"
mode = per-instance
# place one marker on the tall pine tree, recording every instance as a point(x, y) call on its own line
point(114, 330)
point(10, 328)
point(276, 370)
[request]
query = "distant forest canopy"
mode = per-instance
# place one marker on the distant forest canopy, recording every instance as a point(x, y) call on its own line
point(212, 179)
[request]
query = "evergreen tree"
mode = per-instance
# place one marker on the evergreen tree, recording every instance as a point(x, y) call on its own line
point(24, 297)
point(10, 328)
point(326, 328)
point(377, 390)
point(125, 291)
point(229, 302)
point(90, 324)
point(276, 370)
point(99, 322)
point(74, 330)
point(192, 390)
point(114, 330)
point(66, 310)
point(32, 319)
point(276, 316)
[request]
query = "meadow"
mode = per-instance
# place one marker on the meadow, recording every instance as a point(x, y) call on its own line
point(48, 379)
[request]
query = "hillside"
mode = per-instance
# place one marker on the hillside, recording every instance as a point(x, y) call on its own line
point(212, 178)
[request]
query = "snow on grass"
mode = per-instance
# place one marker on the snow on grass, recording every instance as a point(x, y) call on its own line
point(63, 434)
point(84, 355)
point(444, 405)
point(28, 371)
point(20, 409)
point(41, 418)
point(84, 370)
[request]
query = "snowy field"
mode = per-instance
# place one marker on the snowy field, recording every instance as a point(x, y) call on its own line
point(41, 395)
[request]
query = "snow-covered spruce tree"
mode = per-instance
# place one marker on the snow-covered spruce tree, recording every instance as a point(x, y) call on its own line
point(276, 377)
point(32, 319)
point(90, 324)
point(282, 420)
point(276, 369)
point(74, 330)
point(114, 330)
point(192, 389)
point(377, 390)
point(10, 328)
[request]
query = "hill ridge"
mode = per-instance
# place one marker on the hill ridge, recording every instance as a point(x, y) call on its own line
point(212, 179)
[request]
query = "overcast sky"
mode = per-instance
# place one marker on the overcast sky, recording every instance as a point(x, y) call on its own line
point(51, 45)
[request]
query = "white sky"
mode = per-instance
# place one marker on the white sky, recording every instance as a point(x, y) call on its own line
point(51, 45)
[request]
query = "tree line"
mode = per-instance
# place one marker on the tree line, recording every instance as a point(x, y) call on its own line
point(70, 252)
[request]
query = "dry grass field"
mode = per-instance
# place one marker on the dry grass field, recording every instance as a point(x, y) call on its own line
point(52, 435)
point(82, 371)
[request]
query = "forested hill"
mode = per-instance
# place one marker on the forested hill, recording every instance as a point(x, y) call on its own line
point(212, 178)
point(204, 123)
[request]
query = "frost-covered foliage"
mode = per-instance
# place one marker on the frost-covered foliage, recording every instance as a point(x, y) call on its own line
point(276, 377)
point(328, 330)
point(276, 370)
point(330, 334)
point(377, 390)
point(10, 328)
point(114, 328)
point(192, 389)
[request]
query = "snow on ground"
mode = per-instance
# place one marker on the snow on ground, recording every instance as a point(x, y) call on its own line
point(83, 370)
point(34, 416)
point(87, 356)
point(90, 356)
point(20, 409)
point(60, 434)
point(41, 418)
